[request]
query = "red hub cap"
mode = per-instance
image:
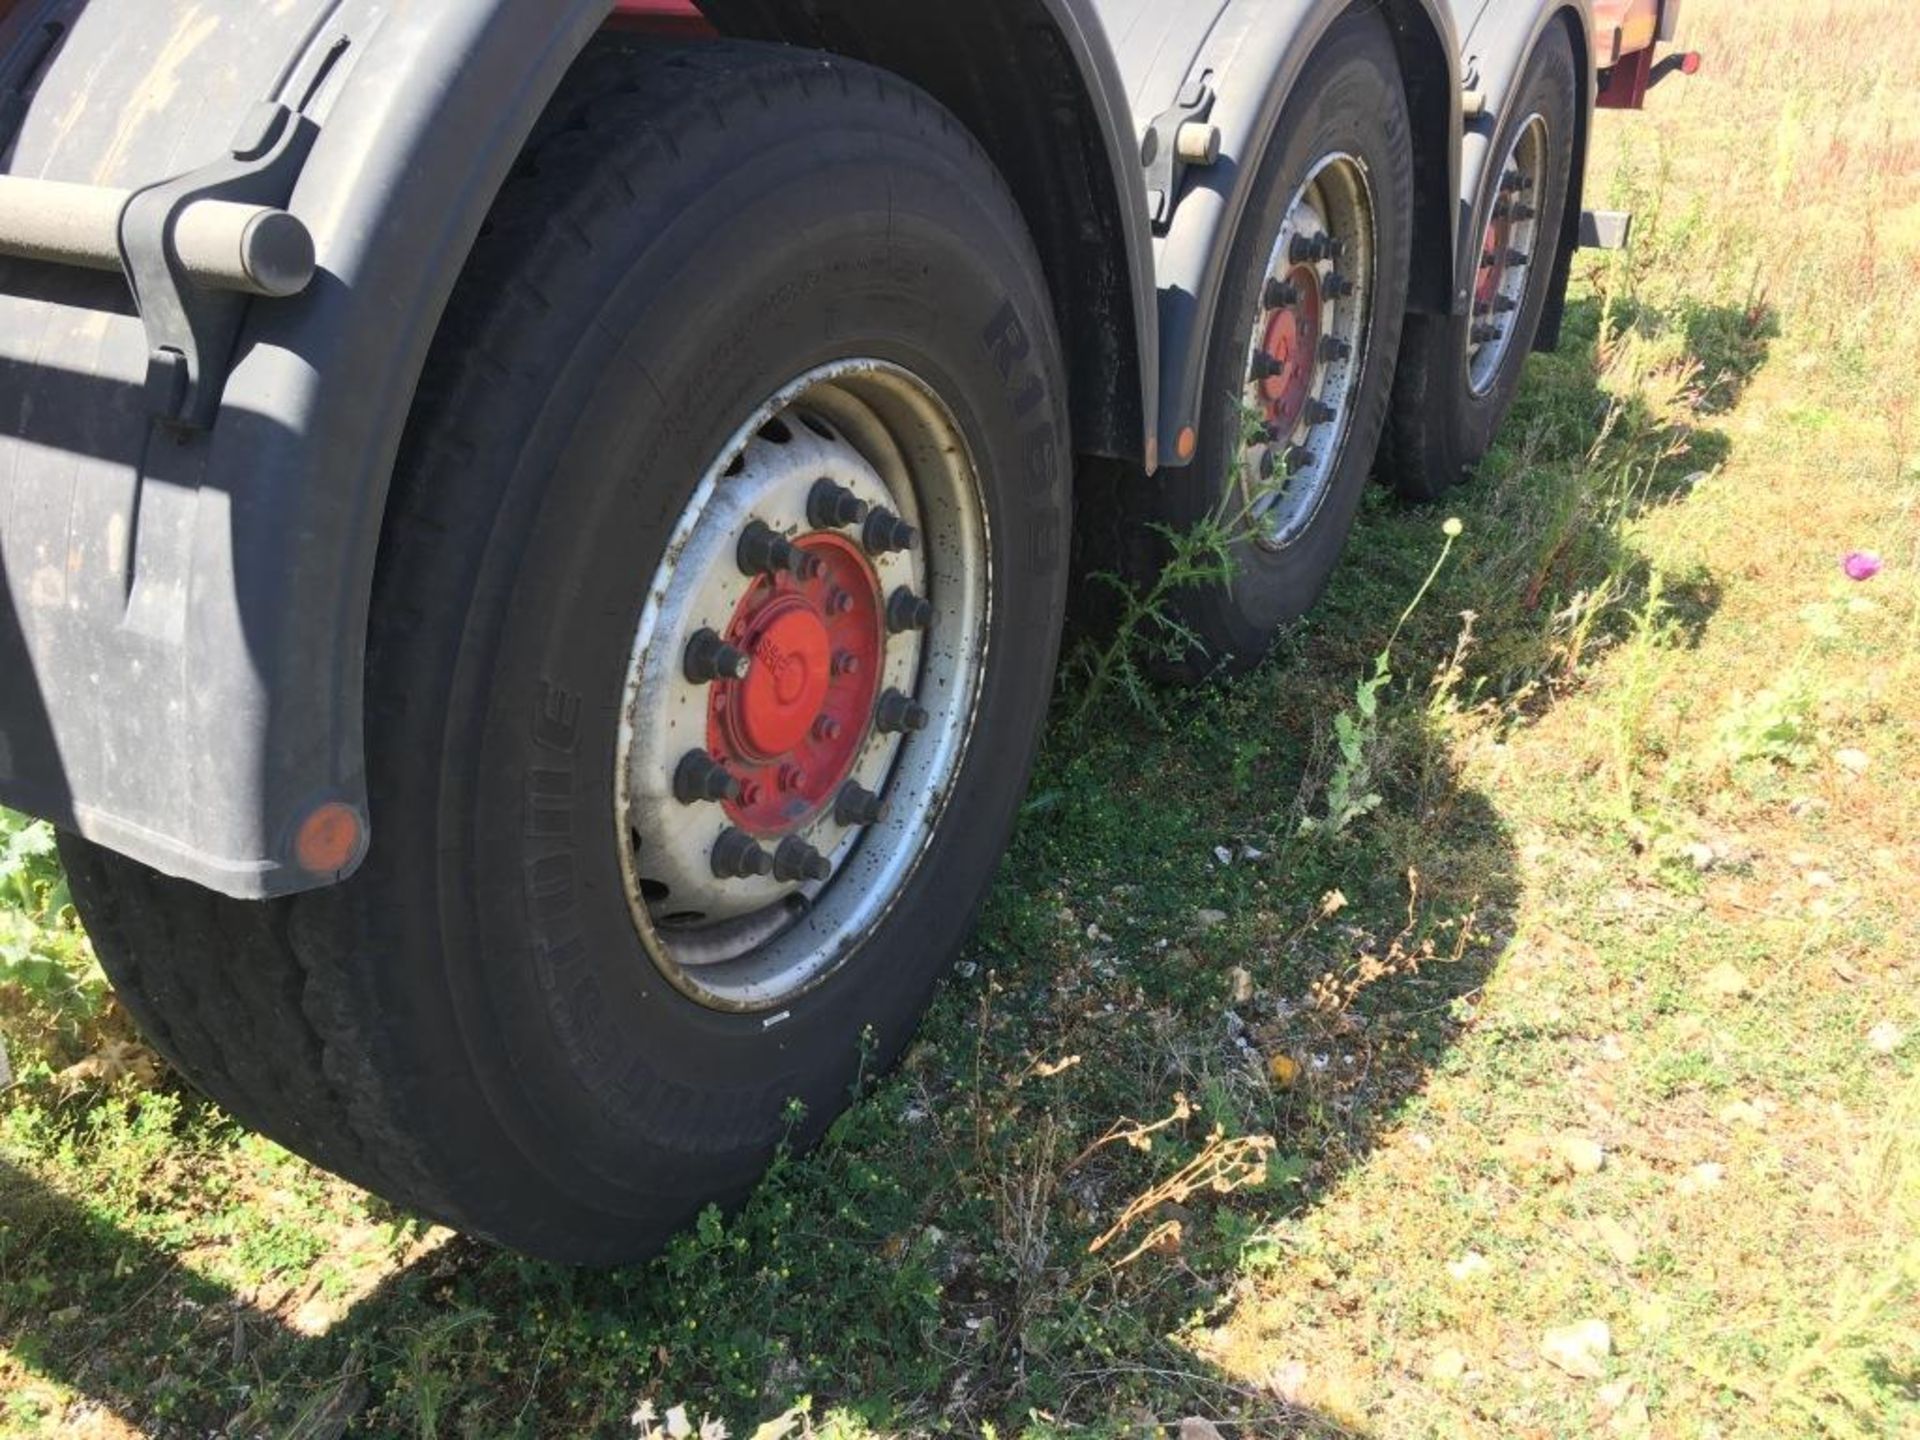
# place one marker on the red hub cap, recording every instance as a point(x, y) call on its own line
point(1293, 342)
point(791, 731)
point(1493, 261)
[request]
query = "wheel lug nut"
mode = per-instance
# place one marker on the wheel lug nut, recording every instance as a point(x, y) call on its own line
point(763, 550)
point(699, 777)
point(1524, 213)
point(710, 658)
point(830, 506)
point(1279, 295)
point(857, 805)
point(1264, 366)
point(1267, 465)
point(1320, 413)
point(885, 532)
point(846, 663)
point(738, 856)
point(1311, 249)
point(827, 729)
point(1337, 286)
point(1510, 182)
point(797, 860)
point(908, 611)
point(1505, 304)
point(1518, 258)
point(1299, 458)
point(1333, 350)
point(792, 777)
point(896, 712)
point(1484, 334)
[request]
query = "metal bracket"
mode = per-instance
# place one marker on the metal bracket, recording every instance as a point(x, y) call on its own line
point(1605, 229)
point(191, 329)
point(1164, 156)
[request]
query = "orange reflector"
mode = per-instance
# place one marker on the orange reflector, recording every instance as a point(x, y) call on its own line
point(1189, 442)
point(329, 839)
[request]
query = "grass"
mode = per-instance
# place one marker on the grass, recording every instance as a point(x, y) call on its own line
point(1605, 1012)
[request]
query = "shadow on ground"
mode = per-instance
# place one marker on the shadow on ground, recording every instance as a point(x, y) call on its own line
point(1159, 940)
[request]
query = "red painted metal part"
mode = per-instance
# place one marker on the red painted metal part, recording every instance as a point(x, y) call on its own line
point(681, 18)
point(791, 731)
point(1625, 86)
point(1293, 341)
point(1493, 259)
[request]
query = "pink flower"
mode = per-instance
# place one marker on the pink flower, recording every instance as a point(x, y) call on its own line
point(1861, 565)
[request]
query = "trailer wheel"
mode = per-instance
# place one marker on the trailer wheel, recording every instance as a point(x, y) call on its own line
point(1302, 367)
point(715, 621)
point(1458, 374)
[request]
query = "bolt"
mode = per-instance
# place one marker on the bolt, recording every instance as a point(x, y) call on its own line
point(710, 658)
point(792, 777)
point(1264, 366)
point(839, 602)
point(700, 777)
point(896, 712)
point(908, 611)
point(1299, 458)
point(1337, 286)
point(886, 532)
point(738, 856)
point(1266, 464)
point(830, 506)
point(1311, 249)
point(1510, 182)
point(1524, 213)
point(749, 793)
point(826, 729)
point(1518, 259)
point(1279, 295)
point(1485, 334)
point(1333, 350)
point(1505, 304)
point(797, 860)
point(806, 565)
point(1320, 413)
point(763, 551)
point(858, 806)
point(845, 662)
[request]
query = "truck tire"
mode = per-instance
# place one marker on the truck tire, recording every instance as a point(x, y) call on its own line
point(714, 623)
point(1302, 365)
point(1458, 373)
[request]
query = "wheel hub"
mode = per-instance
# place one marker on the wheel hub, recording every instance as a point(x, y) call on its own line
point(1293, 340)
point(1307, 351)
point(1507, 249)
point(792, 730)
point(802, 687)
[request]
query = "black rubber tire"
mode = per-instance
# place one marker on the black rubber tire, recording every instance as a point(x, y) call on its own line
point(1439, 429)
point(1350, 99)
point(469, 1026)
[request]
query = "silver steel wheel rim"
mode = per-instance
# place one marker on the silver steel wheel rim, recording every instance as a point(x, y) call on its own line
point(756, 943)
point(1316, 302)
point(1508, 247)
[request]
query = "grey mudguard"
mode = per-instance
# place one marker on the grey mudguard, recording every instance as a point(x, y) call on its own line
point(183, 612)
point(1254, 53)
